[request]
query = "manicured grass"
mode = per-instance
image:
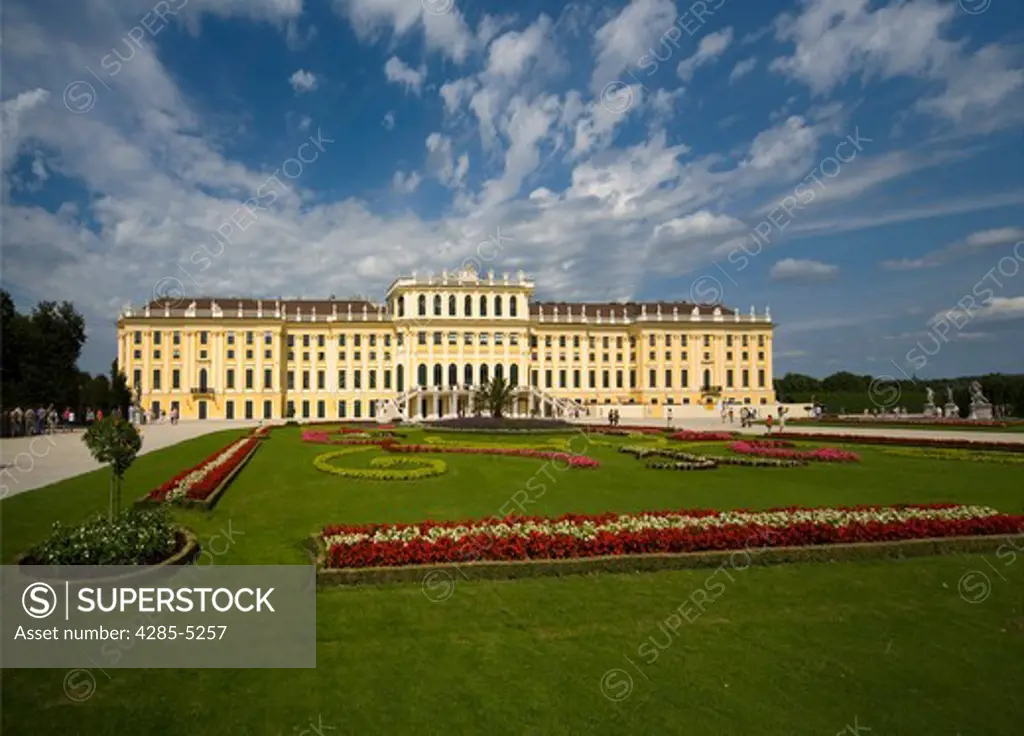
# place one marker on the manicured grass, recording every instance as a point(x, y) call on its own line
point(780, 650)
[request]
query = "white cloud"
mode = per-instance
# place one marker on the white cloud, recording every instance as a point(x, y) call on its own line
point(442, 164)
point(619, 43)
point(399, 72)
point(794, 269)
point(700, 224)
point(788, 148)
point(303, 81)
point(445, 33)
point(742, 69)
point(511, 55)
point(389, 120)
point(996, 309)
point(996, 236)
point(839, 40)
point(972, 243)
point(405, 183)
point(11, 112)
point(709, 49)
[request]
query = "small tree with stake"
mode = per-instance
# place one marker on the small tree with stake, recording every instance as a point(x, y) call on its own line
point(114, 441)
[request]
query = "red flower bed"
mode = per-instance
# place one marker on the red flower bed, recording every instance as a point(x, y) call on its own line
point(770, 444)
point(624, 429)
point(575, 536)
point(575, 461)
point(691, 436)
point(824, 454)
point(208, 474)
point(866, 439)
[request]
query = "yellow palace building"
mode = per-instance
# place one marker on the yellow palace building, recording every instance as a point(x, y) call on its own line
point(423, 351)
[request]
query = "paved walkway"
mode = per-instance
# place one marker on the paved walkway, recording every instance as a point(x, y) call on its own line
point(33, 462)
point(715, 423)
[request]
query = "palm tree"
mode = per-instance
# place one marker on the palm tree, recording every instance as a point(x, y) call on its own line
point(495, 396)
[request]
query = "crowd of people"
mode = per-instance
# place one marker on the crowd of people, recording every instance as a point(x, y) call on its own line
point(18, 422)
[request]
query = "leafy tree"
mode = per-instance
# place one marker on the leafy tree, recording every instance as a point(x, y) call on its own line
point(120, 394)
point(495, 396)
point(40, 353)
point(846, 381)
point(115, 442)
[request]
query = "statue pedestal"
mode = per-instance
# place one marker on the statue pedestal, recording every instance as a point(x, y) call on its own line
point(981, 411)
point(930, 410)
point(951, 410)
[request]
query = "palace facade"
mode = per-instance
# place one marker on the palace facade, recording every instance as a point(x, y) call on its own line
point(422, 352)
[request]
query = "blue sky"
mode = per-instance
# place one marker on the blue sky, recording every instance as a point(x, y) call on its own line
point(855, 165)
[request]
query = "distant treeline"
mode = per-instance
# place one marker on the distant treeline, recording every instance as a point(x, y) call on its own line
point(39, 364)
point(850, 393)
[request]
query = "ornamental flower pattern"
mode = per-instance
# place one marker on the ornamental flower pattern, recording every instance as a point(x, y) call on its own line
point(574, 461)
point(575, 536)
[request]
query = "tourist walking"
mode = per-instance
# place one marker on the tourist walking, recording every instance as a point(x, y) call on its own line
point(768, 423)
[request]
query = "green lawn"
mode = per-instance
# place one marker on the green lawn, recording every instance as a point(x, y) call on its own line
point(1015, 427)
point(782, 650)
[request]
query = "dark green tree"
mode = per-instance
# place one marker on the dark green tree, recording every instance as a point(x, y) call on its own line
point(120, 394)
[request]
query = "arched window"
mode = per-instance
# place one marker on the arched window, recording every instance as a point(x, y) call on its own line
point(438, 375)
point(499, 371)
point(707, 379)
point(451, 305)
point(497, 306)
point(401, 306)
point(483, 373)
point(483, 306)
point(400, 378)
point(513, 306)
point(468, 306)
point(467, 372)
point(423, 305)
point(513, 373)
point(437, 305)
point(421, 375)
point(202, 379)
point(453, 375)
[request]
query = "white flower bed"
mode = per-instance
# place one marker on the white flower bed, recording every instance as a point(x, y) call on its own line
point(185, 484)
point(587, 529)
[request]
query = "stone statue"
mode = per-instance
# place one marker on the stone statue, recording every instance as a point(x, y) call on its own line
point(981, 408)
point(950, 409)
point(929, 402)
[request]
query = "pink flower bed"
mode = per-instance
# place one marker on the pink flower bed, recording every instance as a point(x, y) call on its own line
point(323, 438)
point(690, 436)
point(823, 455)
point(574, 461)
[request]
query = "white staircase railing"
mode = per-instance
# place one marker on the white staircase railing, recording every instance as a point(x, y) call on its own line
point(559, 406)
